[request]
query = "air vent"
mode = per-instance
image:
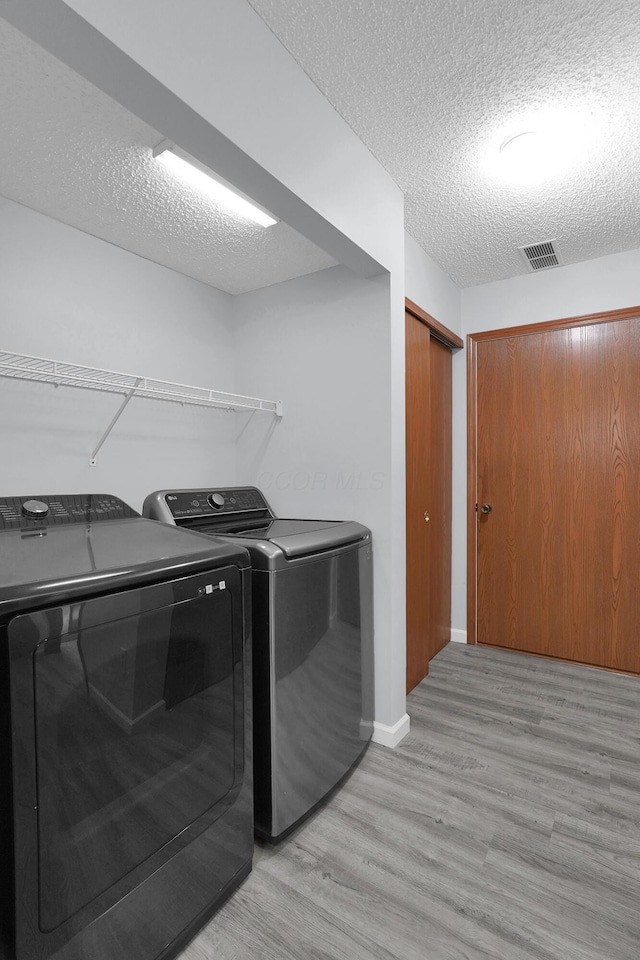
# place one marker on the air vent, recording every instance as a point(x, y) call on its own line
point(541, 256)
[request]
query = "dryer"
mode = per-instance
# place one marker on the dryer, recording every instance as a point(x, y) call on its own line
point(126, 776)
point(312, 590)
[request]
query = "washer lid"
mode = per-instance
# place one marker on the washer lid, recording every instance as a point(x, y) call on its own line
point(297, 538)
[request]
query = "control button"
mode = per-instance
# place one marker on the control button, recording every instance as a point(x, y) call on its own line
point(35, 508)
point(216, 500)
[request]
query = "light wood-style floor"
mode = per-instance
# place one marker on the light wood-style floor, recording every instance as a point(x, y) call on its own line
point(506, 826)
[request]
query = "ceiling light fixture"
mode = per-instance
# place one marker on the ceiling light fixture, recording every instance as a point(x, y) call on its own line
point(527, 157)
point(520, 142)
point(206, 183)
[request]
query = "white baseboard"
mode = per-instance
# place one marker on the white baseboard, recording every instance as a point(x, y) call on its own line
point(458, 636)
point(391, 736)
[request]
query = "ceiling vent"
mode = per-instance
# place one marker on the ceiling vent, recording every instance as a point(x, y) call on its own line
point(541, 256)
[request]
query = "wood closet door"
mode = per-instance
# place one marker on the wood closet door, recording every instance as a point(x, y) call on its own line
point(428, 454)
point(558, 461)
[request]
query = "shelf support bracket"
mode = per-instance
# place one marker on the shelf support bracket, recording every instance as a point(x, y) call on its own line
point(118, 414)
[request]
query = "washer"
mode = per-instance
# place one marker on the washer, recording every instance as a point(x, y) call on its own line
point(126, 792)
point(312, 643)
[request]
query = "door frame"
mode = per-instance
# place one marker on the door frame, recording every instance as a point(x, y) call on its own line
point(437, 329)
point(627, 313)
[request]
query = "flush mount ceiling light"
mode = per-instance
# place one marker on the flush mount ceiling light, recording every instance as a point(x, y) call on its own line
point(206, 183)
point(528, 157)
point(521, 145)
point(545, 146)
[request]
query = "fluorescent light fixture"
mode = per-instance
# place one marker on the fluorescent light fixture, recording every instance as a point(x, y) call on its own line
point(207, 184)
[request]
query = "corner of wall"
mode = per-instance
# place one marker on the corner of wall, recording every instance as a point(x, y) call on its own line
point(430, 288)
point(391, 736)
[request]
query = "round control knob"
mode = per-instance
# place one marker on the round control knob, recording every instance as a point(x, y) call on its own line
point(216, 500)
point(35, 508)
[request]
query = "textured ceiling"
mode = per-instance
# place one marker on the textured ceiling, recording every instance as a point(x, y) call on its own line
point(69, 151)
point(434, 87)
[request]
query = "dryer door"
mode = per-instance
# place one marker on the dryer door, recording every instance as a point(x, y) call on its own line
point(129, 710)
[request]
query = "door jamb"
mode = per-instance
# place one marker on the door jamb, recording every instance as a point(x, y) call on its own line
point(628, 313)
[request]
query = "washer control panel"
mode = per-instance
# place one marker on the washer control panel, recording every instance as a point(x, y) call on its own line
point(17, 513)
point(185, 504)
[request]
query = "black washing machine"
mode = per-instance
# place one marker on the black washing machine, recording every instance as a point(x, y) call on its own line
point(312, 615)
point(126, 796)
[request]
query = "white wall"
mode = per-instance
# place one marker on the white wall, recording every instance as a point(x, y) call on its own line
point(68, 296)
point(429, 287)
point(321, 344)
point(593, 286)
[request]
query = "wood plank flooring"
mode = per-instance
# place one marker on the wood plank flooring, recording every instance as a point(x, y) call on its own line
point(506, 826)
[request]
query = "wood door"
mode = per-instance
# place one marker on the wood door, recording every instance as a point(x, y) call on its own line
point(428, 471)
point(558, 461)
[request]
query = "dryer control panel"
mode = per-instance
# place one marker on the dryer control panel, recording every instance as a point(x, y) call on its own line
point(17, 513)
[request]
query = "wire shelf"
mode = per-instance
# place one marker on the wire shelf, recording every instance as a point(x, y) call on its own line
point(24, 367)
